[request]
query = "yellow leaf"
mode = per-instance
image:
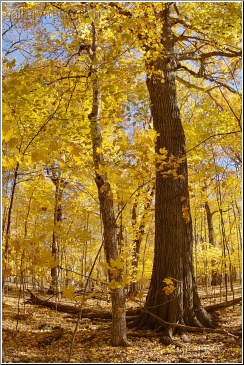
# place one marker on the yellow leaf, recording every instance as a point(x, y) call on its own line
point(117, 263)
point(168, 281)
point(163, 151)
point(185, 213)
point(120, 311)
point(140, 294)
point(168, 290)
point(68, 293)
point(114, 284)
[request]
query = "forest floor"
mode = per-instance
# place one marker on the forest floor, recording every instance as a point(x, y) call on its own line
point(25, 326)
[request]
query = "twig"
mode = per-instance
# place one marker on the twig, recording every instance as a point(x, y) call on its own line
point(213, 135)
point(80, 312)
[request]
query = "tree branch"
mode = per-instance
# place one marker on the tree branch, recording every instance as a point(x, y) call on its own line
point(190, 85)
point(198, 76)
point(67, 77)
point(43, 125)
point(213, 135)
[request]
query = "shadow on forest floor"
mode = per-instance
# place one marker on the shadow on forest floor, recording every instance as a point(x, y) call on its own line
point(23, 339)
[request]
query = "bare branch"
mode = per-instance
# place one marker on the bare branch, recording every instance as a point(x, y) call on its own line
point(67, 77)
point(43, 126)
point(209, 78)
point(209, 137)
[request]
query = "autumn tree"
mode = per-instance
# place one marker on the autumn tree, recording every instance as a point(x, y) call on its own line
point(96, 67)
point(59, 183)
point(174, 41)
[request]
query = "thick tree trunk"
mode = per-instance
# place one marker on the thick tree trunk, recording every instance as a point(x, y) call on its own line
point(173, 224)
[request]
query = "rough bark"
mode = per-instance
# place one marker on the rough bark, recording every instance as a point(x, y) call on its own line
point(118, 330)
point(173, 224)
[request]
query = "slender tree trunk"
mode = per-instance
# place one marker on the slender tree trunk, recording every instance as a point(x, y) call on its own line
point(8, 227)
point(138, 240)
point(209, 215)
point(118, 330)
point(215, 276)
point(238, 238)
point(59, 185)
point(173, 255)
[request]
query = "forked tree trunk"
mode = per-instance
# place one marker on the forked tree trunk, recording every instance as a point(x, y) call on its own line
point(173, 257)
point(118, 330)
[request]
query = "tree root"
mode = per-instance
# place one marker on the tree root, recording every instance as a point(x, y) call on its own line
point(186, 328)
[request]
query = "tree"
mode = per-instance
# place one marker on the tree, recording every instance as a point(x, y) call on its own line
point(175, 48)
point(164, 50)
point(172, 217)
point(105, 195)
point(59, 183)
point(17, 147)
point(173, 226)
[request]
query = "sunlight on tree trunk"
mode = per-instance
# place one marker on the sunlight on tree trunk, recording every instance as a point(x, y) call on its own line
point(118, 330)
point(173, 224)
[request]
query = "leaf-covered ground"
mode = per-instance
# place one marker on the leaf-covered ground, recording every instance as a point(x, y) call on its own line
point(23, 336)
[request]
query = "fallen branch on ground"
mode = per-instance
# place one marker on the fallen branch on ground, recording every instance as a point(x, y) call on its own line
point(229, 303)
point(101, 314)
point(66, 308)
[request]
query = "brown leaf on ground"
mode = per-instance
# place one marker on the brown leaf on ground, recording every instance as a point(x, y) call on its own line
point(44, 336)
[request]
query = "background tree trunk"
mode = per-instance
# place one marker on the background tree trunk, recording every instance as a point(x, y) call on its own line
point(139, 234)
point(209, 215)
point(60, 184)
point(6, 251)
